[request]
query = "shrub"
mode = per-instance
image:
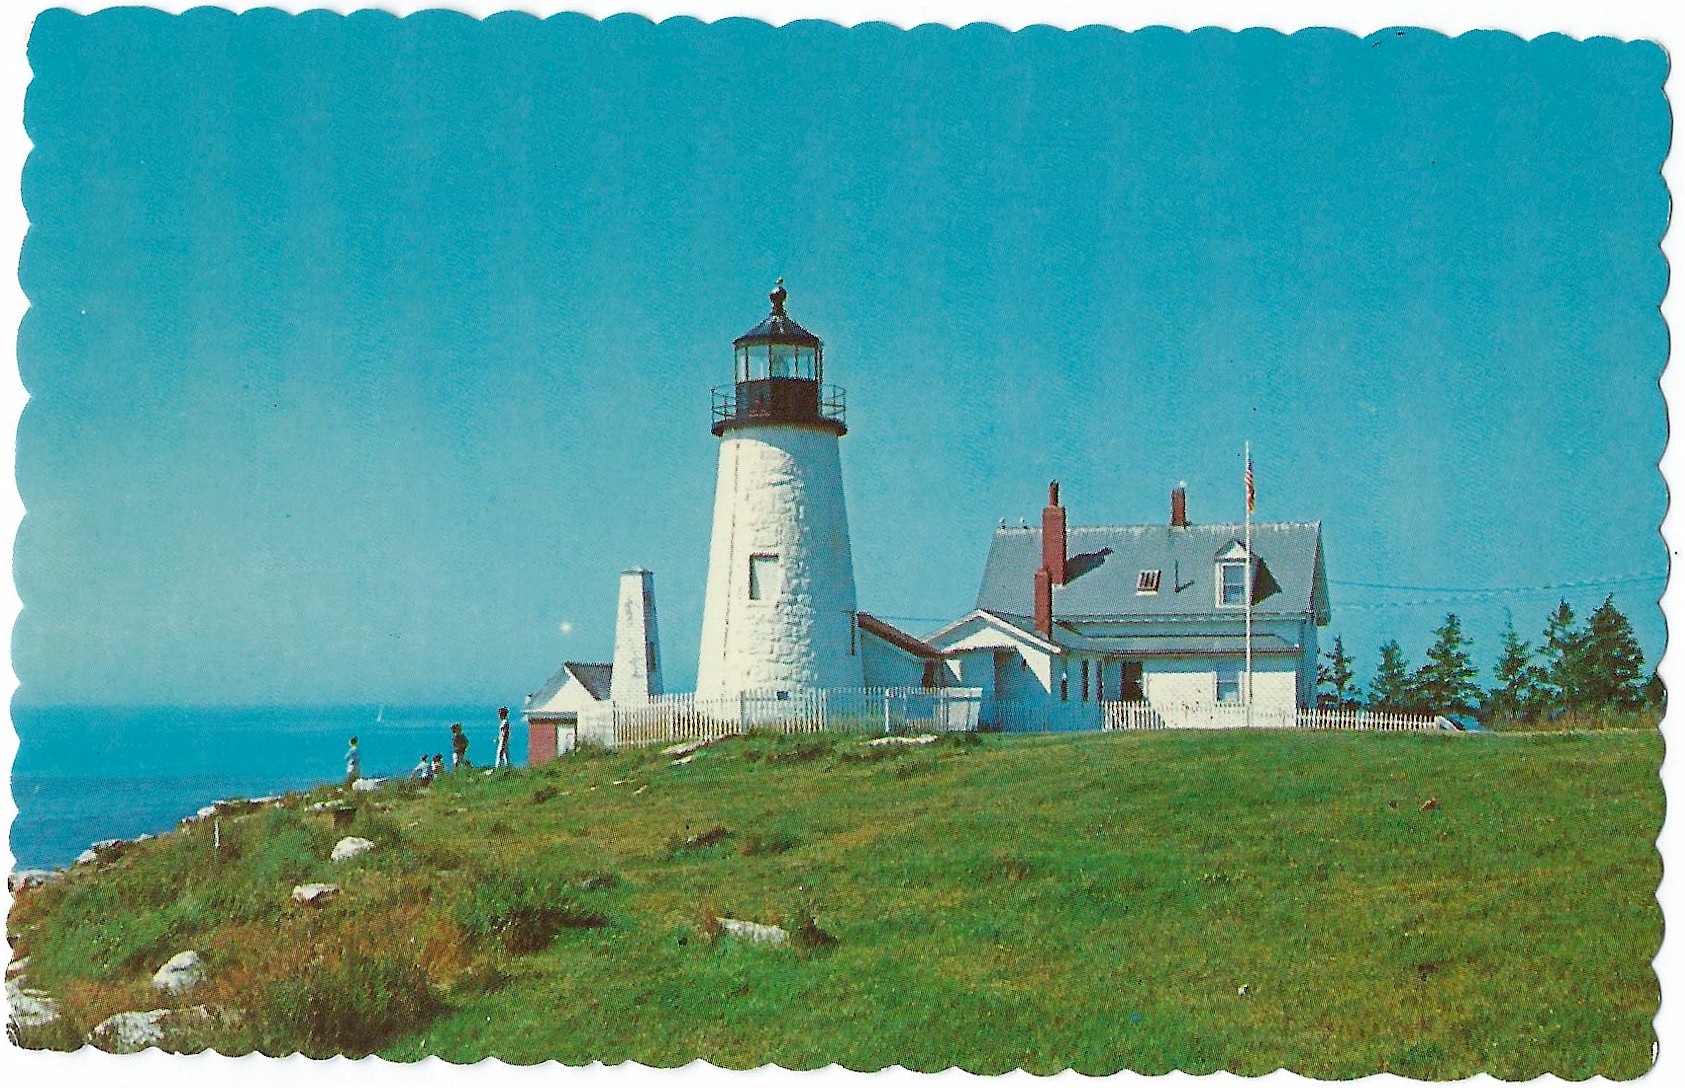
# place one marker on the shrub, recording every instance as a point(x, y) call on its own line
point(698, 841)
point(352, 1006)
point(806, 934)
point(803, 752)
point(758, 843)
point(523, 914)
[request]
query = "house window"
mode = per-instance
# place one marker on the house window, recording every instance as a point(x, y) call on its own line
point(1085, 681)
point(1231, 584)
point(1100, 681)
point(1228, 683)
point(1131, 688)
point(764, 577)
point(1147, 582)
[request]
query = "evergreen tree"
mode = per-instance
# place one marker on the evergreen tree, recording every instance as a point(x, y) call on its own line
point(1519, 689)
point(1336, 675)
point(1445, 682)
point(1389, 688)
point(1612, 664)
point(1655, 693)
point(1563, 653)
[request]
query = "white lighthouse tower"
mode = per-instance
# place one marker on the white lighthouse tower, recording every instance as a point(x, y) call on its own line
point(779, 613)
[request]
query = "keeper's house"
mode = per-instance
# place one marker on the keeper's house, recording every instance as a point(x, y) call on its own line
point(1153, 613)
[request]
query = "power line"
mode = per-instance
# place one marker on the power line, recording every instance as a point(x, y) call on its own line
point(1477, 591)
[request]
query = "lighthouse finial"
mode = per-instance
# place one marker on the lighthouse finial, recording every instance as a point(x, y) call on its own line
point(778, 296)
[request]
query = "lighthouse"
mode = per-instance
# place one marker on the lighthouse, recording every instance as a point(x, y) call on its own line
point(779, 614)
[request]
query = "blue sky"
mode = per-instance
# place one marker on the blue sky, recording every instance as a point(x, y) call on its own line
point(365, 352)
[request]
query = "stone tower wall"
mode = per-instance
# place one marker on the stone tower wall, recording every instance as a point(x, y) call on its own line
point(779, 494)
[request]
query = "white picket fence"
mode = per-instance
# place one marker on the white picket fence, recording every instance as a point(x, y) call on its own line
point(1238, 716)
point(669, 719)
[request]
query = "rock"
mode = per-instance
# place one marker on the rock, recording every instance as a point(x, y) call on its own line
point(321, 806)
point(685, 748)
point(17, 967)
point(1430, 804)
point(640, 789)
point(31, 878)
point(922, 738)
point(350, 847)
point(753, 932)
point(102, 850)
point(682, 761)
point(313, 894)
point(128, 1032)
point(204, 814)
point(29, 1008)
point(368, 785)
point(184, 971)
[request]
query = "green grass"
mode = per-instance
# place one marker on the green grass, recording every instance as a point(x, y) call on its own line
point(1094, 902)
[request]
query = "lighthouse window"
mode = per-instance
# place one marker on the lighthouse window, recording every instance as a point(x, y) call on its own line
point(764, 577)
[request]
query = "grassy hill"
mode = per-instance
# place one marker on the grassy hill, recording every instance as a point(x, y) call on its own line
point(1435, 906)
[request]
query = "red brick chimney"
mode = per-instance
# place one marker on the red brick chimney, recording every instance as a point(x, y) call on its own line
point(1053, 536)
point(1044, 603)
point(1179, 508)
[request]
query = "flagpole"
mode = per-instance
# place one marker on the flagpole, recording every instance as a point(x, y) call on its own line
point(1249, 583)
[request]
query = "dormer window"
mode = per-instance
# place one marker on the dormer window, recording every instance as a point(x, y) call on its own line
point(1147, 582)
point(1231, 584)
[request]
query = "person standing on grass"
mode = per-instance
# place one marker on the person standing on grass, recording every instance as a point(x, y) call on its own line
point(459, 747)
point(353, 764)
point(502, 738)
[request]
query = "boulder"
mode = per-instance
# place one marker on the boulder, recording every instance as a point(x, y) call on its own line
point(29, 1008)
point(17, 966)
point(184, 971)
point(753, 932)
point(368, 785)
point(128, 1032)
point(682, 760)
point(685, 748)
point(314, 894)
point(103, 850)
point(350, 847)
point(922, 738)
point(31, 878)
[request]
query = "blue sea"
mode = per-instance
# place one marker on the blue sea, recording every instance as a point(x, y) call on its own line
point(84, 773)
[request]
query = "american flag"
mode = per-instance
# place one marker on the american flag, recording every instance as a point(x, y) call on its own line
point(1251, 495)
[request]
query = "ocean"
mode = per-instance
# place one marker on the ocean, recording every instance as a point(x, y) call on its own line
point(85, 773)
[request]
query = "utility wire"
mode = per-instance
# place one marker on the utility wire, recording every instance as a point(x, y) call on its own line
point(1481, 591)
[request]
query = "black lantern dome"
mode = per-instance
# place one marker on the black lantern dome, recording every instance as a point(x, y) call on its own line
point(779, 375)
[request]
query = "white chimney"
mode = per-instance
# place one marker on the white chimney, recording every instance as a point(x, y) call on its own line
point(637, 646)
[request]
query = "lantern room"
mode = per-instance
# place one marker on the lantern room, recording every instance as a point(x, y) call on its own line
point(778, 377)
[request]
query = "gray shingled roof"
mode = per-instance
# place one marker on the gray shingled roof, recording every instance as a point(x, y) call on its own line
point(593, 676)
point(1105, 563)
point(1149, 645)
